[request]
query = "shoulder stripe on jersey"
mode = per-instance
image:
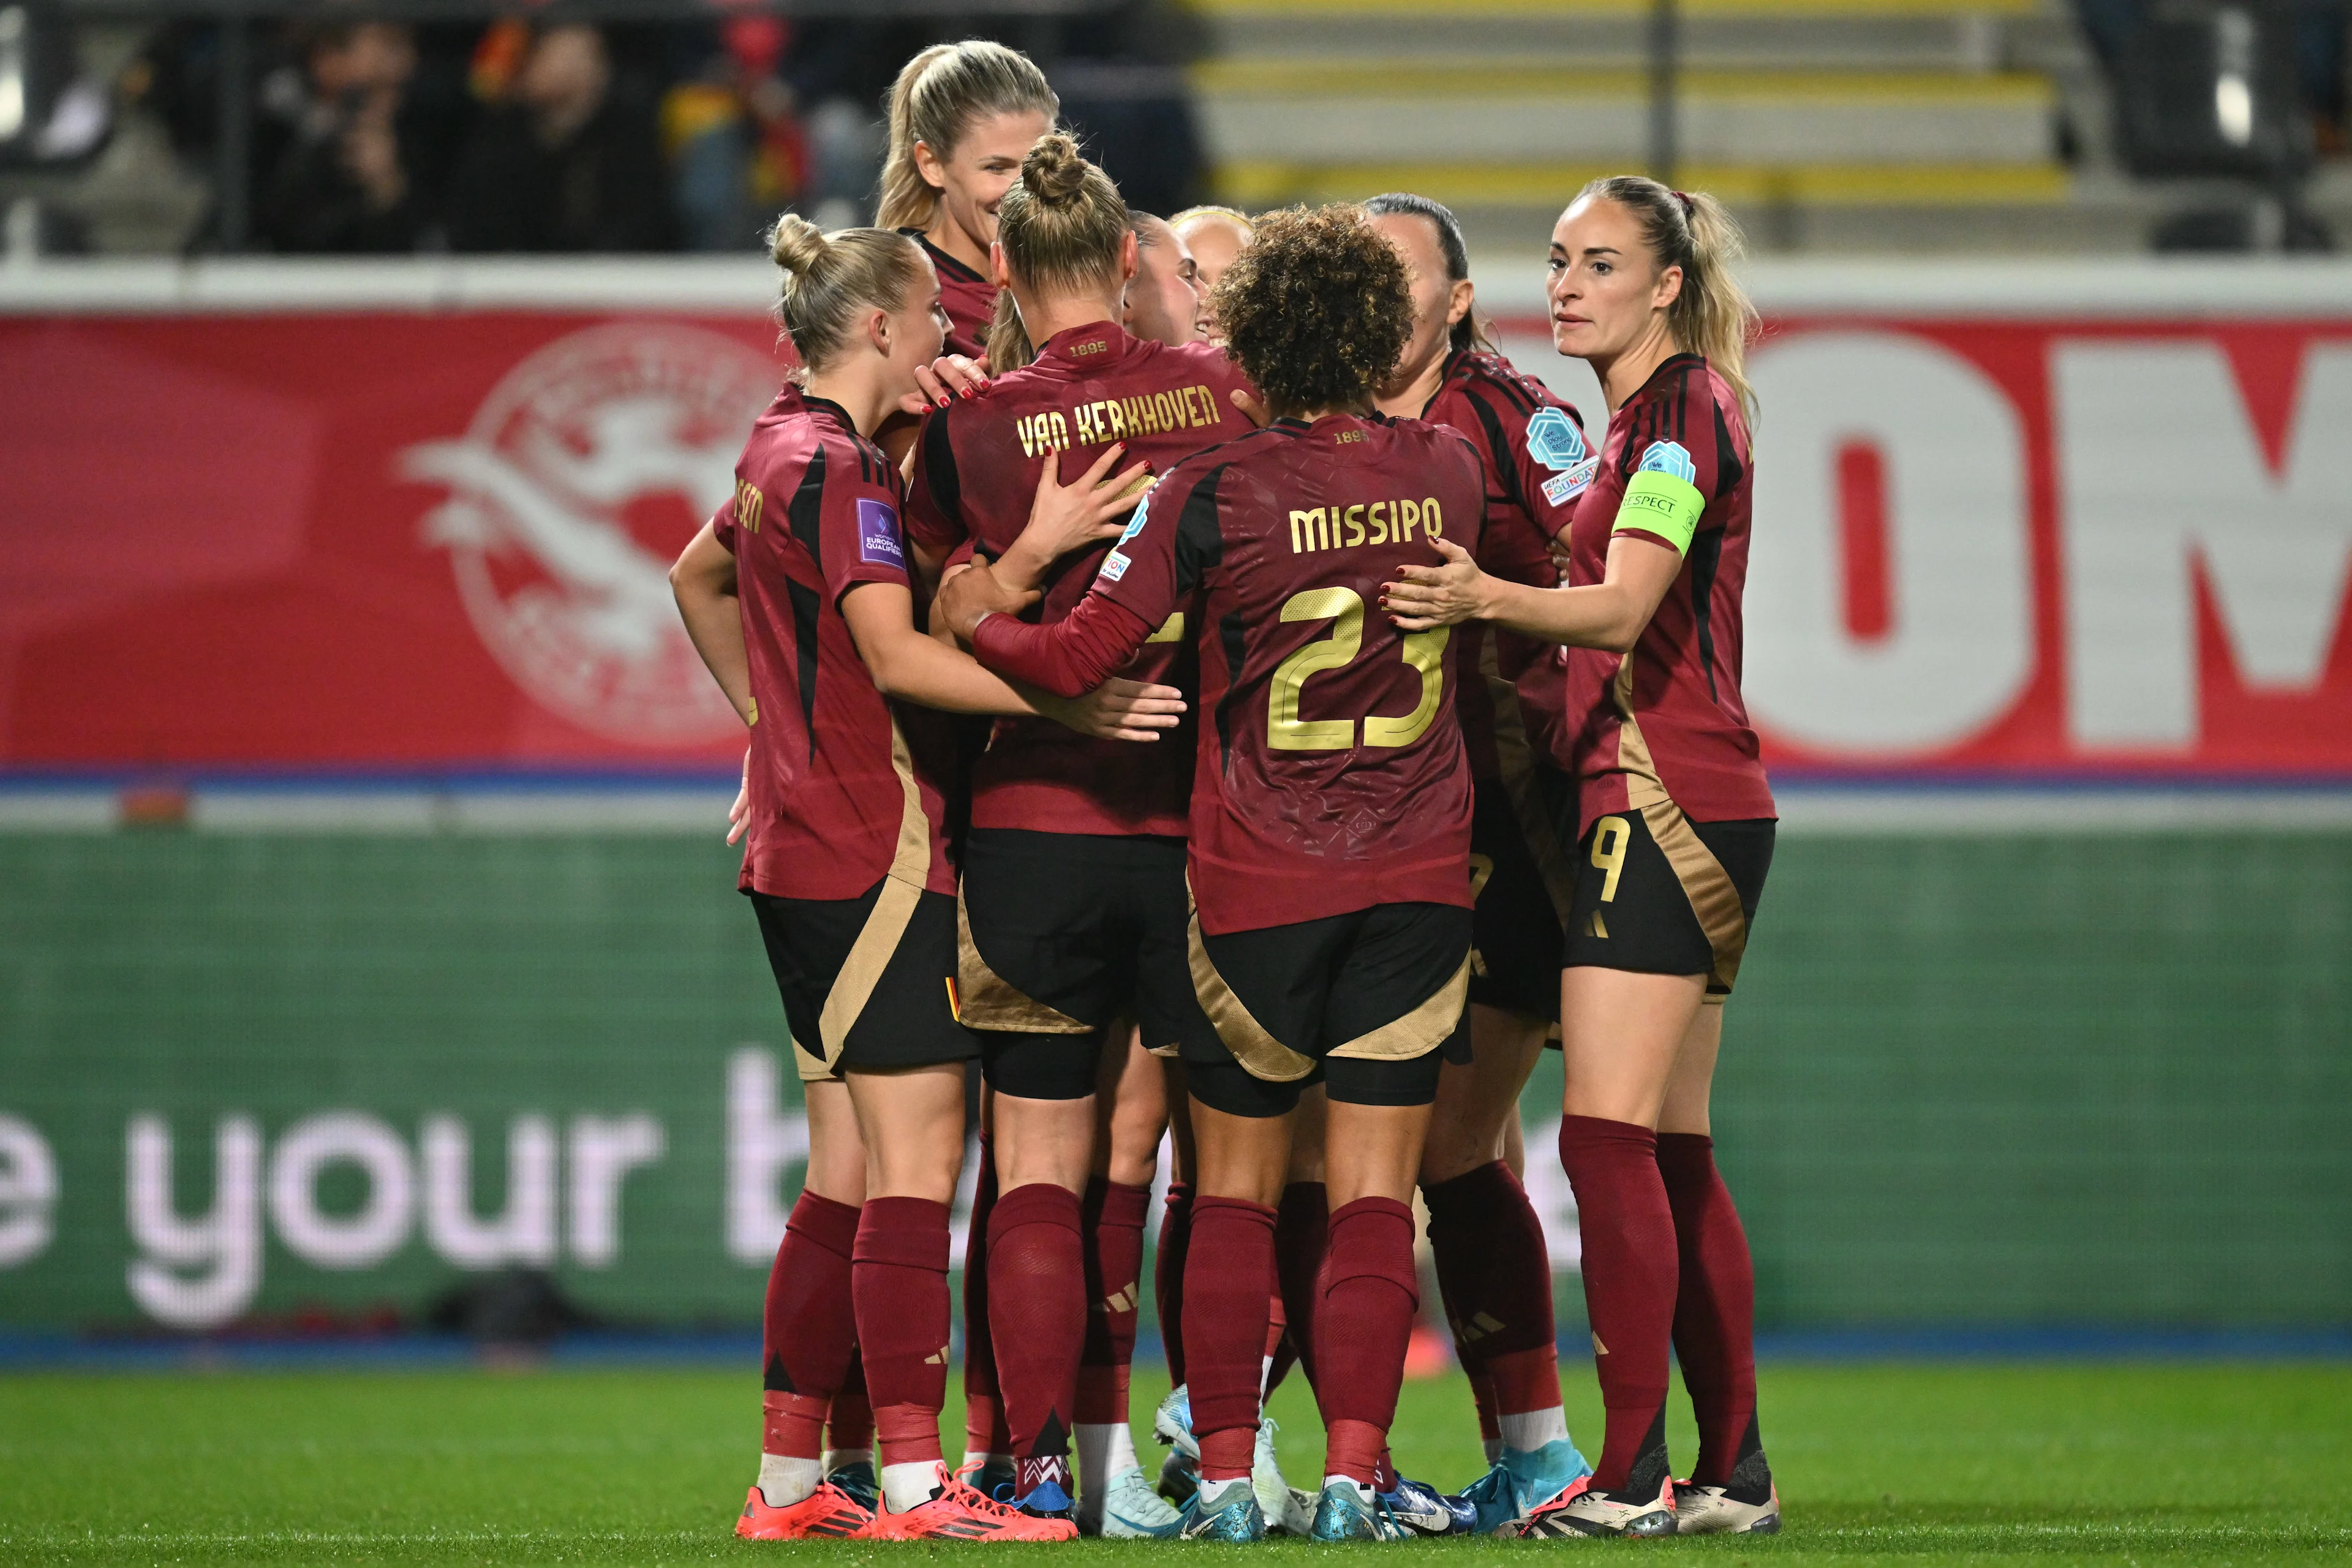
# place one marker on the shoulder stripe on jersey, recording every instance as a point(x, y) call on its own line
point(1682, 405)
point(807, 606)
point(1233, 638)
point(1499, 447)
point(940, 470)
point(806, 513)
point(1728, 468)
point(1510, 387)
point(1200, 537)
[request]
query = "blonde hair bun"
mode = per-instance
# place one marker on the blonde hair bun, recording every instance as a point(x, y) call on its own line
point(798, 245)
point(1054, 171)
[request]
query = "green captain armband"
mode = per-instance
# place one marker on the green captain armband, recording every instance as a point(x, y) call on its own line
point(1663, 504)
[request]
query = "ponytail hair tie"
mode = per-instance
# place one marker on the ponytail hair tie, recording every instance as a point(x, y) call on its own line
point(1684, 197)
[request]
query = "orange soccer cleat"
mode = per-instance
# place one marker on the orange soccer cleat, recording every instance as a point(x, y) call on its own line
point(956, 1513)
point(827, 1513)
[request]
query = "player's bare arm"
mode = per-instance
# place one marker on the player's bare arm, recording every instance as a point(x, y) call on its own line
point(1607, 615)
point(703, 582)
point(908, 665)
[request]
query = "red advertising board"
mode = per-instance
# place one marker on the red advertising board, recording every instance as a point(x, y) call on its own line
point(380, 540)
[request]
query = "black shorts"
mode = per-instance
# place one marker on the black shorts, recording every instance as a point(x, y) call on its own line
point(868, 983)
point(1658, 893)
point(1060, 934)
point(1524, 883)
point(1368, 1005)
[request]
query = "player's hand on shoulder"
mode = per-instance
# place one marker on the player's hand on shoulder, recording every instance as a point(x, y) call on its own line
point(1445, 595)
point(1087, 510)
point(1252, 409)
point(1116, 710)
point(943, 381)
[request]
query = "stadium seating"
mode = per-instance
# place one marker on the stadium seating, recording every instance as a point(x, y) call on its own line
point(1826, 115)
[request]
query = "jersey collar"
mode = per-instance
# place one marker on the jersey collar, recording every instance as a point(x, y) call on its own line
point(826, 405)
point(1670, 362)
point(948, 265)
point(1085, 350)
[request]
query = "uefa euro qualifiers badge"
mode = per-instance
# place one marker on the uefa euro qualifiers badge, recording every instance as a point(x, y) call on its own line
point(581, 477)
point(1554, 441)
point(877, 534)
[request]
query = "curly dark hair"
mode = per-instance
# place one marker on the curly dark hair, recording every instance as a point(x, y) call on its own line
point(1316, 310)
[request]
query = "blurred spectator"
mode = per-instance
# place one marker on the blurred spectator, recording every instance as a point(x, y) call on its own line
point(735, 142)
point(360, 161)
point(569, 158)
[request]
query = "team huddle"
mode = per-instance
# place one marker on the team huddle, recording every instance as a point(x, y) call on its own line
point(1192, 675)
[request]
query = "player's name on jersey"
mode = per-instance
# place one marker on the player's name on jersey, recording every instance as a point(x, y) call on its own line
point(1100, 423)
point(1375, 522)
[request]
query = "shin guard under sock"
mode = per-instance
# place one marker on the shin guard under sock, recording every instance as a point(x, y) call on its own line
point(1629, 1274)
point(808, 1329)
point(1114, 1226)
point(1715, 1304)
point(1037, 1313)
point(1369, 1296)
point(1168, 1276)
point(1228, 1278)
point(899, 1281)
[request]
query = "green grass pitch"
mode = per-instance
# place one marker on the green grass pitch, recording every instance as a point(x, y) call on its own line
point(1918, 1465)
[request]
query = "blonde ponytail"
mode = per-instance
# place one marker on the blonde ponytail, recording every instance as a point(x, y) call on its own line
point(937, 97)
point(1063, 223)
point(1712, 316)
point(829, 279)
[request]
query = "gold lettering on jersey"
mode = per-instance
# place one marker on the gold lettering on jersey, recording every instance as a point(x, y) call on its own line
point(1079, 351)
point(1043, 433)
point(1347, 436)
point(1108, 419)
point(1379, 522)
point(748, 503)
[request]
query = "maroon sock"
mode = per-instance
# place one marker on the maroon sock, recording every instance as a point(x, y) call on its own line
point(1280, 1354)
point(808, 1330)
point(1302, 1229)
point(1224, 1328)
point(1715, 1304)
point(1494, 1276)
point(850, 1424)
point(1037, 1313)
point(1629, 1289)
point(900, 1284)
point(1114, 1222)
point(984, 1429)
point(1168, 1276)
point(1370, 1297)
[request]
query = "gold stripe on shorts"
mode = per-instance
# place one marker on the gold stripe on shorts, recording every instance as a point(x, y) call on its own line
point(989, 1001)
point(1419, 1032)
point(886, 925)
point(1260, 1054)
point(1714, 897)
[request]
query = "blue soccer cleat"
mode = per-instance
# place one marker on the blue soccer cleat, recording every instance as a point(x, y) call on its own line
point(1424, 1510)
point(1225, 1511)
point(1347, 1511)
point(1520, 1480)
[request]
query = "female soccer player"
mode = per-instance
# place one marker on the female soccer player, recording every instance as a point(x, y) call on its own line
point(798, 598)
point(1073, 867)
point(1329, 832)
point(1214, 235)
point(1676, 823)
point(1492, 1265)
point(961, 117)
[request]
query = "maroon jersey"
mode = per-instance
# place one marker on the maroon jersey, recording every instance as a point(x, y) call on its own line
point(841, 794)
point(976, 469)
point(1667, 719)
point(1532, 445)
point(1330, 775)
point(969, 300)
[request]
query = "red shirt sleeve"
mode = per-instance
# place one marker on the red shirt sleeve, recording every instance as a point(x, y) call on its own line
point(1068, 658)
point(1549, 493)
point(935, 492)
point(722, 521)
point(859, 537)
